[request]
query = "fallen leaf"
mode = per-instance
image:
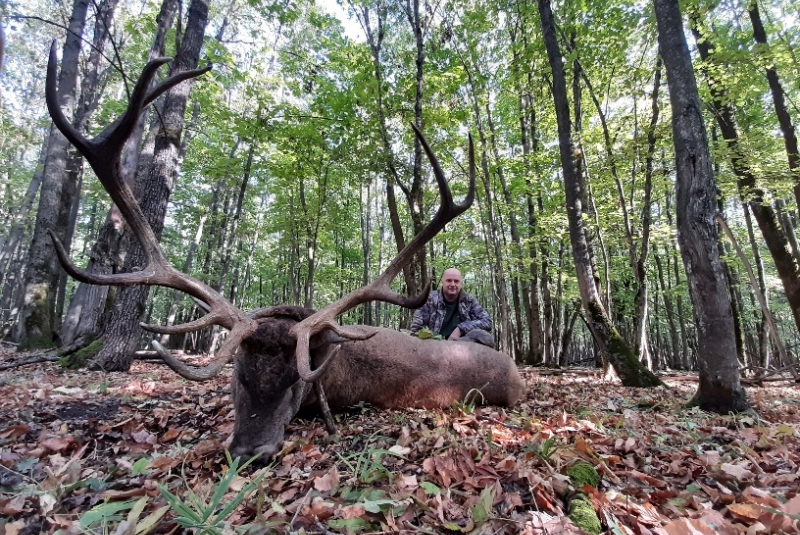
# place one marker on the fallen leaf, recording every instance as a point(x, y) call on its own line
point(170, 435)
point(13, 506)
point(745, 511)
point(352, 511)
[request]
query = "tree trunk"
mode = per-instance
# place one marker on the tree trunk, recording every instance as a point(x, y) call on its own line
point(516, 249)
point(415, 194)
point(778, 100)
point(763, 329)
point(365, 210)
point(676, 361)
point(503, 335)
point(774, 236)
point(625, 363)
point(15, 233)
point(375, 41)
point(88, 310)
point(122, 334)
point(35, 326)
point(719, 389)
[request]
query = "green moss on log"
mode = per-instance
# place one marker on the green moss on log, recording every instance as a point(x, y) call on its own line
point(583, 514)
point(581, 510)
point(583, 473)
point(79, 358)
point(631, 372)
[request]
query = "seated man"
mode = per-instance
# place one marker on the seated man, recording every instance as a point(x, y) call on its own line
point(454, 314)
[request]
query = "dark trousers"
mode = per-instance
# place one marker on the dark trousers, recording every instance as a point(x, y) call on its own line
point(479, 337)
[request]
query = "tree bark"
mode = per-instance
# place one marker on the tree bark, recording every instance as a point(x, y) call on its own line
point(675, 360)
point(15, 233)
point(625, 363)
point(415, 194)
point(779, 102)
point(375, 41)
point(774, 235)
point(122, 333)
point(35, 326)
point(88, 310)
point(719, 387)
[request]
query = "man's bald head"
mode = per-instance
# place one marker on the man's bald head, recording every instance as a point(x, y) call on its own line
point(451, 284)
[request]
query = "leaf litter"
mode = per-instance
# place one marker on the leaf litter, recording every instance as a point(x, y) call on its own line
point(86, 451)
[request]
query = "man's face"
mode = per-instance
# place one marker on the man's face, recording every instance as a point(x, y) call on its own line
point(451, 284)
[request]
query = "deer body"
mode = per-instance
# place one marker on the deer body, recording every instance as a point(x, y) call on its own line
point(393, 369)
point(388, 370)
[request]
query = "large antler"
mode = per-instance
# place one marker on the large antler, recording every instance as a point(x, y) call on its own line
point(104, 155)
point(379, 289)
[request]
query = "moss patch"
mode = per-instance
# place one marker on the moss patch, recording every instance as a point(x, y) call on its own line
point(582, 473)
point(38, 334)
point(79, 358)
point(582, 513)
point(35, 343)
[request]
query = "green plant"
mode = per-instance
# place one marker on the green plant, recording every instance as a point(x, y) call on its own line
point(208, 515)
point(426, 334)
point(139, 468)
point(544, 449)
point(101, 518)
point(366, 465)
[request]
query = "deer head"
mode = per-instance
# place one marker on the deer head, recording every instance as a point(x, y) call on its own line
point(278, 346)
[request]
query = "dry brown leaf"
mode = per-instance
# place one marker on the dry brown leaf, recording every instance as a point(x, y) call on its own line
point(745, 511)
point(170, 435)
point(326, 482)
point(322, 509)
point(688, 526)
point(352, 511)
point(57, 444)
point(737, 471)
point(12, 506)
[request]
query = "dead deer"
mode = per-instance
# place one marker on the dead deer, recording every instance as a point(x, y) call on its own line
point(278, 352)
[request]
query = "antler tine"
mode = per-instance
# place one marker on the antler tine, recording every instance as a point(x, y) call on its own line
point(212, 318)
point(239, 332)
point(379, 289)
point(104, 155)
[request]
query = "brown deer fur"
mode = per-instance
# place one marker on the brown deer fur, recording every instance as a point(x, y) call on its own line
point(389, 370)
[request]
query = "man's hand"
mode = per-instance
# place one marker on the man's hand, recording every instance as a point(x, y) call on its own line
point(455, 335)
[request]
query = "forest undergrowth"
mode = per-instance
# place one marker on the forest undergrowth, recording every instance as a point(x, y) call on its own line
point(92, 452)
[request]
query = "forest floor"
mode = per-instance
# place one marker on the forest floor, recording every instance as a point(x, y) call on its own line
point(96, 452)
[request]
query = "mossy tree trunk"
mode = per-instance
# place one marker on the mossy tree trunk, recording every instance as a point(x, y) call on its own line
point(630, 371)
point(35, 326)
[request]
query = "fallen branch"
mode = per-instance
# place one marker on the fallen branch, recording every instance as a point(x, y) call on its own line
point(48, 357)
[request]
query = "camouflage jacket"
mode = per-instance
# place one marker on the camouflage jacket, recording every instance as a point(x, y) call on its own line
point(431, 315)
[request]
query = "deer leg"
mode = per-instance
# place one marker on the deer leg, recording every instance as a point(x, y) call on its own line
point(330, 425)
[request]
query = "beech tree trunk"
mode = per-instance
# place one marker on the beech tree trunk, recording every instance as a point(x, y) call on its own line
point(35, 326)
point(719, 387)
point(122, 333)
point(774, 235)
point(778, 101)
point(8, 252)
point(640, 267)
point(625, 362)
point(375, 41)
point(415, 194)
point(87, 313)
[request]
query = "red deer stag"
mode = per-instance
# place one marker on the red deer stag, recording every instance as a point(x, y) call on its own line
point(279, 351)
